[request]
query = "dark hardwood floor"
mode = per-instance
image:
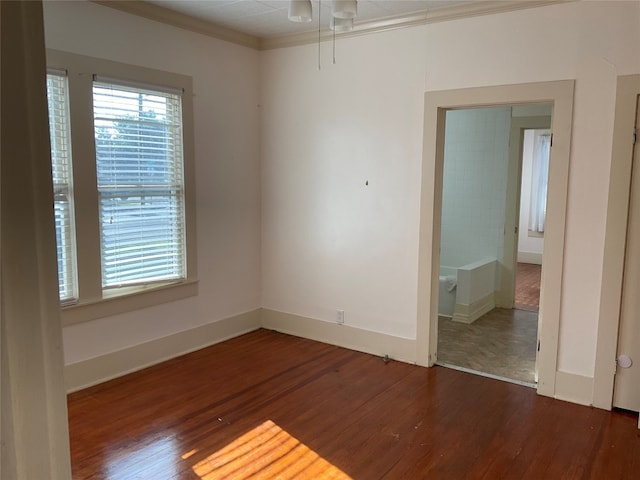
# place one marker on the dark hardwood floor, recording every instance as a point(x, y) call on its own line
point(268, 405)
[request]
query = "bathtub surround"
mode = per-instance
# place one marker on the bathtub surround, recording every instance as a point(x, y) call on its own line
point(474, 196)
point(474, 185)
point(468, 292)
point(476, 290)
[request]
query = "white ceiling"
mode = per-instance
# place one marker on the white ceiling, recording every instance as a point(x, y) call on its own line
point(268, 18)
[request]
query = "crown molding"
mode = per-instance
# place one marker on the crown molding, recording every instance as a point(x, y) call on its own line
point(187, 22)
point(180, 20)
point(445, 14)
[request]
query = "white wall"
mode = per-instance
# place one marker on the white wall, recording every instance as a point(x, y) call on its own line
point(529, 247)
point(331, 242)
point(225, 80)
point(474, 190)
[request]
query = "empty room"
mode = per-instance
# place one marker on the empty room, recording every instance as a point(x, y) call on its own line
point(285, 239)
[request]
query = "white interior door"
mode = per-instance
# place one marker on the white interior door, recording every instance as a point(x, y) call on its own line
point(627, 381)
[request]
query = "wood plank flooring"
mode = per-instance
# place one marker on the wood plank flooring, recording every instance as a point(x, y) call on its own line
point(268, 405)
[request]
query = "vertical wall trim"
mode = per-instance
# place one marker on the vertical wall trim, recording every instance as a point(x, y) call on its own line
point(34, 437)
point(628, 89)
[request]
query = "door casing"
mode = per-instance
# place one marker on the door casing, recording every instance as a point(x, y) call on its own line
point(558, 93)
point(626, 392)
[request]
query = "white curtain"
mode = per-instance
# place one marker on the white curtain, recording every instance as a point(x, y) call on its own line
point(539, 177)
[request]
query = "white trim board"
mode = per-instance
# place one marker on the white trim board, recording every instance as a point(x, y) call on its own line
point(444, 14)
point(112, 365)
point(530, 257)
point(164, 15)
point(381, 344)
point(627, 92)
point(486, 375)
point(115, 364)
point(187, 22)
point(569, 387)
point(470, 313)
point(574, 388)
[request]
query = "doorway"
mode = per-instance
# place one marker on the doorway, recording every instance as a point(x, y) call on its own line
point(495, 171)
point(534, 137)
point(560, 94)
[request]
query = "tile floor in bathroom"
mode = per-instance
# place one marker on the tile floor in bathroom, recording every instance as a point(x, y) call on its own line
point(501, 342)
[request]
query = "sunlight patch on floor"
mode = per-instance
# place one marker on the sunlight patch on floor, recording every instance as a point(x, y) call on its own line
point(267, 452)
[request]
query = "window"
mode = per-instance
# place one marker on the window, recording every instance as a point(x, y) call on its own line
point(138, 135)
point(125, 202)
point(62, 183)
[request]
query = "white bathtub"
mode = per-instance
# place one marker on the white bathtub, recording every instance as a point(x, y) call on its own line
point(466, 293)
point(475, 294)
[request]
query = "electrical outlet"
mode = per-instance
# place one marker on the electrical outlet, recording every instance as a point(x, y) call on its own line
point(340, 316)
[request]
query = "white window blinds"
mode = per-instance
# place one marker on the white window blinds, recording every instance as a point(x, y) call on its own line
point(139, 166)
point(58, 103)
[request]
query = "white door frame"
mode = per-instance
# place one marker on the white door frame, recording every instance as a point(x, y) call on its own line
point(627, 92)
point(560, 94)
point(626, 389)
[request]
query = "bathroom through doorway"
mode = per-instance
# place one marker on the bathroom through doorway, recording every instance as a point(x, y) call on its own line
point(492, 237)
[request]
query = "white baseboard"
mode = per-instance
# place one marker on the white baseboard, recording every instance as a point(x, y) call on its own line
point(470, 313)
point(106, 367)
point(574, 388)
point(569, 387)
point(530, 257)
point(397, 348)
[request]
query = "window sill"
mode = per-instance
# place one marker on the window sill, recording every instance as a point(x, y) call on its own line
point(126, 300)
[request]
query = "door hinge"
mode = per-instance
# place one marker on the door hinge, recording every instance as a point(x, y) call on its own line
point(635, 135)
point(551, 141)
point(538, 345)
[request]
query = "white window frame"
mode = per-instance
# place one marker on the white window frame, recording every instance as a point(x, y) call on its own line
point(93, 300)
point(62, 167)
